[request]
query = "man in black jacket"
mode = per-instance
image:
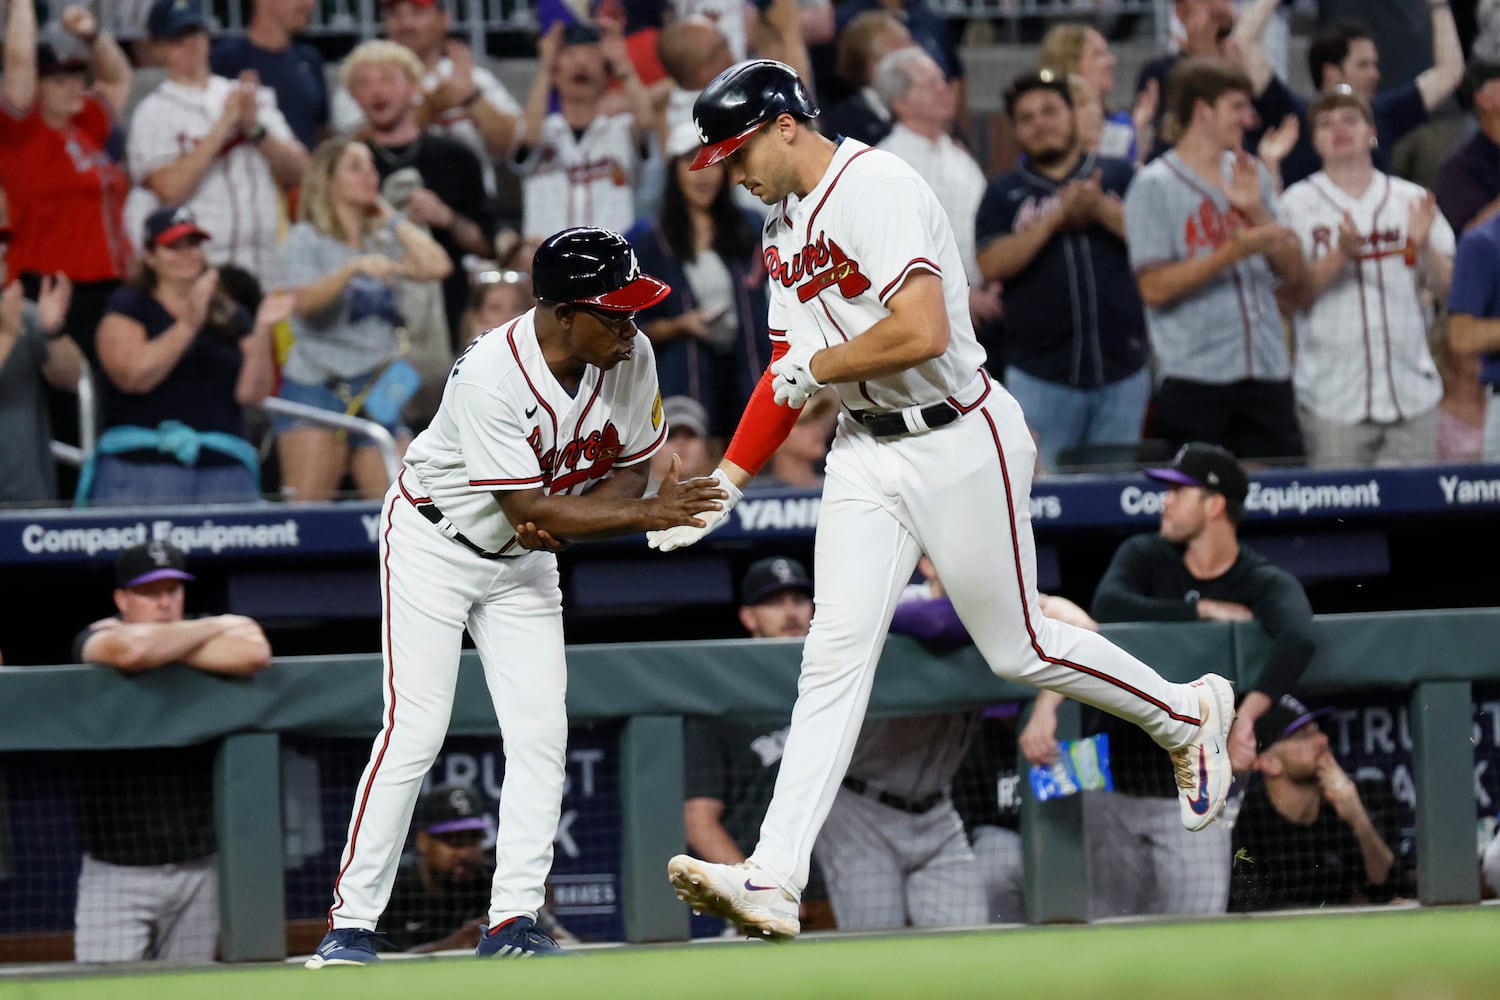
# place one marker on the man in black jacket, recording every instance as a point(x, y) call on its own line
point(1193, 569)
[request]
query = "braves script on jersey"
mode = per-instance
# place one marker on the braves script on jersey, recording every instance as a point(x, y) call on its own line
point(837, 256)
point(506, 424)
point(577, 180)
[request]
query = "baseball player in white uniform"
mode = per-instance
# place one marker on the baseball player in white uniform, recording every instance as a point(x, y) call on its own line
point(545, 430)
point(868, 294)
point(1366, 384)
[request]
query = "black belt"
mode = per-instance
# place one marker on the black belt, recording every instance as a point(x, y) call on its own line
point(914, 806)
point(430, 511)
point(894, 424)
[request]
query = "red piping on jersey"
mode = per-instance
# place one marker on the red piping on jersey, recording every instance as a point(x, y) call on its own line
point(961, 408)
point(390, 722)
point(510, 337)
point(1015, 546)
point(627, 459)
point(401, 485)
point(901, 275)
point(831, 183)
point(593, 398)
point(1385, 317)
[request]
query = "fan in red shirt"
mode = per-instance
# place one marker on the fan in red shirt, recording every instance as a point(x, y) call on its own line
point(66, 195)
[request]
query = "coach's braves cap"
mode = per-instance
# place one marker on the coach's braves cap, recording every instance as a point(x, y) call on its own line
point(1207, 466)
point(153, 561)
point(684, 413)
point(595, 267)
point(450, 809)
point(1283, 719)
point(171, 223)
point(769, 577)
point(171, 18)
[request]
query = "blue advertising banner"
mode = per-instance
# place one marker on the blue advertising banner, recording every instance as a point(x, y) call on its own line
point(262, 531)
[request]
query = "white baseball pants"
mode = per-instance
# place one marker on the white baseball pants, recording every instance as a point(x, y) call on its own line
point(961, 494)
point(431, 588)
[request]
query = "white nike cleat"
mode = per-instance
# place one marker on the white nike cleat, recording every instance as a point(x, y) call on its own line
point(743, 894)
point(1202, 766)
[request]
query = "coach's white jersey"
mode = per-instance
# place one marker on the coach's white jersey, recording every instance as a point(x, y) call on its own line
point(505, 423)
point(238, 201)
point(837, 256)
point(1362, 346)
point(589, 180)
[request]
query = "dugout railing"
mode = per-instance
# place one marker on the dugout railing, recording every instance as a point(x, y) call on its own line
point(1437, 656)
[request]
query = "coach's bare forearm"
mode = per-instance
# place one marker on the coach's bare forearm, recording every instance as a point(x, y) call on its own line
point(589, 517)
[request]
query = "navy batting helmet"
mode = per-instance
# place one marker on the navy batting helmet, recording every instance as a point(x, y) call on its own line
point(593, 267)
point(741, 100)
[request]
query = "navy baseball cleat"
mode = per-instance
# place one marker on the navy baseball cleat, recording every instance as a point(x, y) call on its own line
point(345, 946)
point(518, 937)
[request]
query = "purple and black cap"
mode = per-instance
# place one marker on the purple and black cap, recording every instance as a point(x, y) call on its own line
point(143, 564)
point(450, 809)
point(1283, 719)
point(1206, 466)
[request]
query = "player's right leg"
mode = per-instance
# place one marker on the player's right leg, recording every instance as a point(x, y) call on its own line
point(974, 519)
point(864, 557)
point(427, 584)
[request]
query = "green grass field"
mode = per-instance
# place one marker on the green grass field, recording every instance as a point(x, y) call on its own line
point(1401, 955)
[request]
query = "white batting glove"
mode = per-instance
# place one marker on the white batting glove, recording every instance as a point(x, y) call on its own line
point(794, 382)
point(684, 535)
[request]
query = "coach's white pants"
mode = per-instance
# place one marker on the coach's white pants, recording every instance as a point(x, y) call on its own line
point(961, 494)
point(431, 587)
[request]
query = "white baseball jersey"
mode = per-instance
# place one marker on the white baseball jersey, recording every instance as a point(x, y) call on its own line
point(505, 423)
point(835, 258)
point(238, 201)
point(347, 117)
point(569, 180)
point(955, 178)
point(1362, 345)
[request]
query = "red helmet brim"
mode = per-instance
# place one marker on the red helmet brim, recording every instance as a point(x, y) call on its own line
point(642, 293)
point(714, 152)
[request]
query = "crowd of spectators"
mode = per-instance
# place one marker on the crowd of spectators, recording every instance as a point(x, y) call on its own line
point(1223, 260)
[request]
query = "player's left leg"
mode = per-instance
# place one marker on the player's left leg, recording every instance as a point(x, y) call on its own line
point(518, 631)
point(968, 488)
point(946, 888)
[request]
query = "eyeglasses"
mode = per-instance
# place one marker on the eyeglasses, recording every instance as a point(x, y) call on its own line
point(613, 320)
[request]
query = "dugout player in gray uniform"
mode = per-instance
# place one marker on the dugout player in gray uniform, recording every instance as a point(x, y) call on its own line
point(1211, 259)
